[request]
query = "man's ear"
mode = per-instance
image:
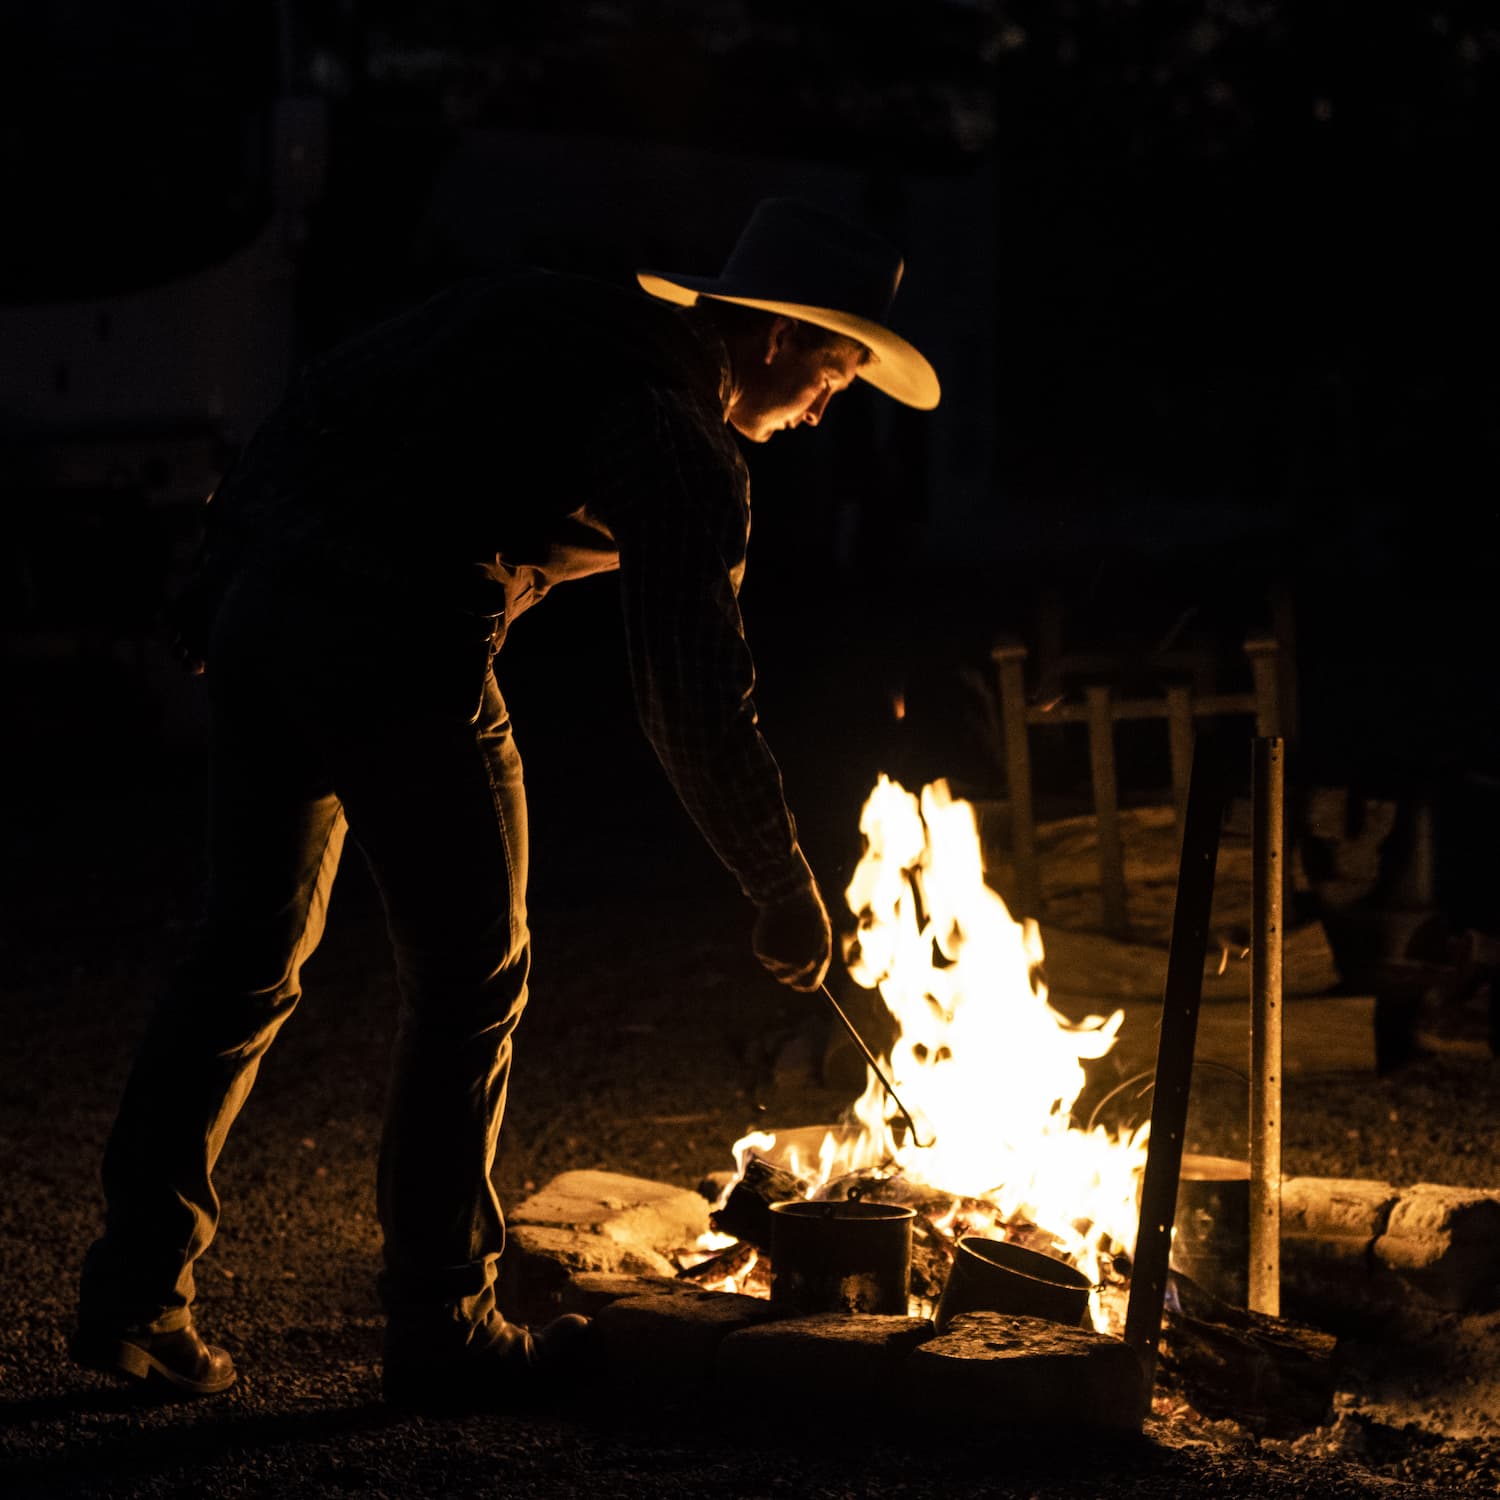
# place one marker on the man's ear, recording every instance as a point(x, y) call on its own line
point(777, 337)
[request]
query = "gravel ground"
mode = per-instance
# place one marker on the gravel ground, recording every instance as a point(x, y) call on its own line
point(651, 1044)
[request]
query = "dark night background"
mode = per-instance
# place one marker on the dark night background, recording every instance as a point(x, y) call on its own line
point(1210, 287)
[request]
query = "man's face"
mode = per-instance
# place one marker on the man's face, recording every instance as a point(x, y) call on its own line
point(789, 385)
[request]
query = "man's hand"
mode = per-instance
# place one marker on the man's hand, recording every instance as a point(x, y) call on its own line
point(794, 938)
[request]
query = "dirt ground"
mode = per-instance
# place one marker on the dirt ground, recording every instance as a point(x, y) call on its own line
point(652, 1043)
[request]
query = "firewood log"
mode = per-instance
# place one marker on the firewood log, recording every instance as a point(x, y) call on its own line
point(729, 1261)
point(1270, 1375)
point(746, 1213)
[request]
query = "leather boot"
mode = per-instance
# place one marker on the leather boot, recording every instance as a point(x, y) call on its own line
point(485, 1368)
point(180, 1358)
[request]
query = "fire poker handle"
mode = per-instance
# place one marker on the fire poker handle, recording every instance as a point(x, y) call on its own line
point(875, 1068)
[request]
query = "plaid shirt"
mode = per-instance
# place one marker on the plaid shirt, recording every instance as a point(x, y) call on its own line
point(519, 432)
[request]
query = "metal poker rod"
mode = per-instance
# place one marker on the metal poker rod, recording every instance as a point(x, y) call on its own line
point(869, 1056)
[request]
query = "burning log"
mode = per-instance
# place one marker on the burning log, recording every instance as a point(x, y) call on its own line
point(726, 1264)
point(1270, 1375)
point(746, 1213)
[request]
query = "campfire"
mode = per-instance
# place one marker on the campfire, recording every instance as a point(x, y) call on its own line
point(960, 1182)
point(987, 1068)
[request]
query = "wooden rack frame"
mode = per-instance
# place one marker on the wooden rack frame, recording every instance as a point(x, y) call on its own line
point(1100, 711)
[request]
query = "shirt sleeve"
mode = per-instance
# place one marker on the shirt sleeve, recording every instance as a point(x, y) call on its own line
point(678, 505)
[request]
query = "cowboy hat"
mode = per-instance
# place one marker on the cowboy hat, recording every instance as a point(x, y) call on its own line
point(805, 263)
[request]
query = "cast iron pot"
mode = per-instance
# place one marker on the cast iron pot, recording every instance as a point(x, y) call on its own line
point(997, 1276)
point(841, 1255)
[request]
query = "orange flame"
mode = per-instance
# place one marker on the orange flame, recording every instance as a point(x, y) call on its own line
point(987, 1067)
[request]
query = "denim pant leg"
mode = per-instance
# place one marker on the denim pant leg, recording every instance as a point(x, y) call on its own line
point(274, 843)
point(438, 807)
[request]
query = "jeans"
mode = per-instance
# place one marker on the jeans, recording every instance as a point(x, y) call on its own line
point(332, 708)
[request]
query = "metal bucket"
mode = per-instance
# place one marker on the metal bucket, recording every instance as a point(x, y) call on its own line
point(840, 1255)
point(997, 1276)
point(1212, 1239)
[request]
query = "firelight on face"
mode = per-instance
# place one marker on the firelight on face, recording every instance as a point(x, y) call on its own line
point(793, 386)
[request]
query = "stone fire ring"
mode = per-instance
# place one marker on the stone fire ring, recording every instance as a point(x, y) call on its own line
point(599, 1243)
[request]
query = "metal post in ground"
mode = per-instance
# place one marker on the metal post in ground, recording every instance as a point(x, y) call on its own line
point(1268, 859)
point(1265, 667)
point(1208, 796)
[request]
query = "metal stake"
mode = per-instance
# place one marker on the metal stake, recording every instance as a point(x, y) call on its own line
point(1208, 796)
point(1267, 865)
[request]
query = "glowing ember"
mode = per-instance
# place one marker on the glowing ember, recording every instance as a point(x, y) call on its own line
point(987, 1067)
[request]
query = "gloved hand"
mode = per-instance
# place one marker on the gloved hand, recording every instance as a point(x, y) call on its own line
point(793, 938)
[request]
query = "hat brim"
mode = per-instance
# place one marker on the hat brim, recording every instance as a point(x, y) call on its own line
point(895, 367)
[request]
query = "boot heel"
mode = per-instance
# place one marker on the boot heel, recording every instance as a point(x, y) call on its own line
point(180, 1358)
point(130, 1360)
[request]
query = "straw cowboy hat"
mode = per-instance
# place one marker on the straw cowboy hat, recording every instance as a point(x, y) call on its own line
point(806, 263)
